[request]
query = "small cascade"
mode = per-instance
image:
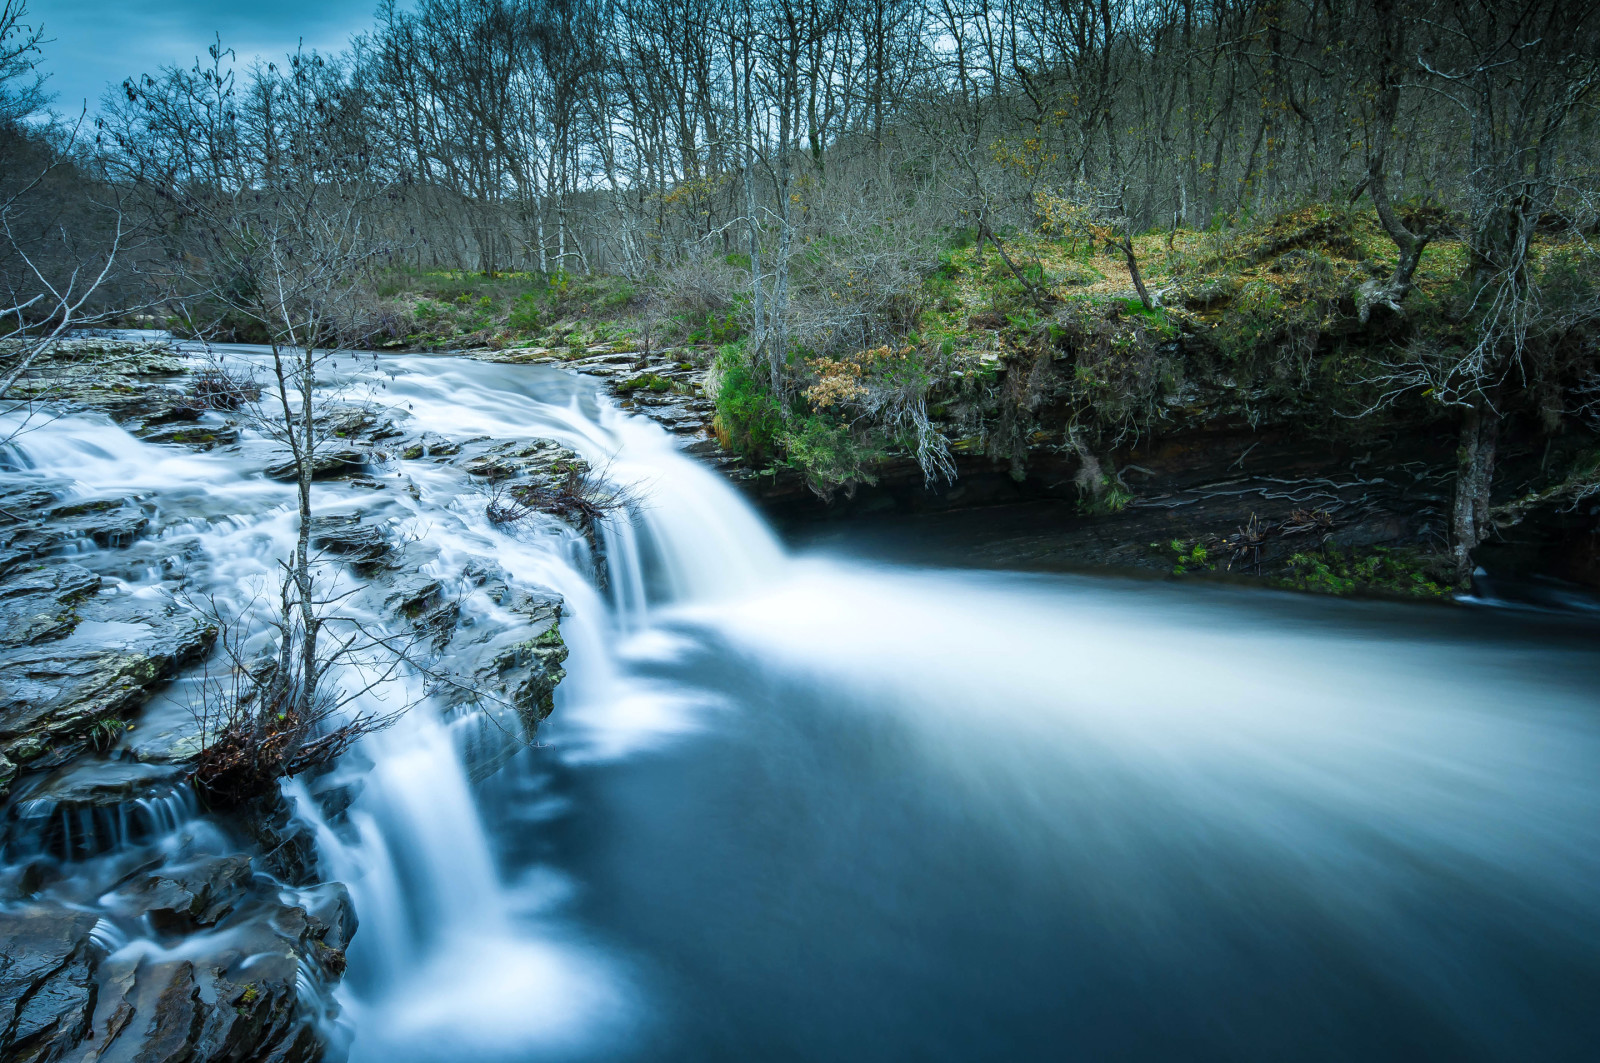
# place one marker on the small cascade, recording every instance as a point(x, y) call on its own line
point(70, 829)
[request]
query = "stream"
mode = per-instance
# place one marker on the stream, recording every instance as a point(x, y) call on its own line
point(838, 804)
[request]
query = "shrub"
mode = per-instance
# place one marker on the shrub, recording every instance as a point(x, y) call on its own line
point(749, 418)
point(830, 455)
point(528, 313)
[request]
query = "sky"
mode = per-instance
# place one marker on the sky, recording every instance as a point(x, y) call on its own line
point(97, 43)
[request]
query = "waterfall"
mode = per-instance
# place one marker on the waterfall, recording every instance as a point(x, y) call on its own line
point(446, 955)
point(442, 959)
point(807, 807)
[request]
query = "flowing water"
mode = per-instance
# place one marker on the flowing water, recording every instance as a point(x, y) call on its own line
point(818, 807)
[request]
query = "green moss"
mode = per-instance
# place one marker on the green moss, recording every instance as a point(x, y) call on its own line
point(646, 382)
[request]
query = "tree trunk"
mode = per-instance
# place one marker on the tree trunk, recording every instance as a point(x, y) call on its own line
point(759, 336)
point(1469, 525)
point(304, 583)
point(1126, 247)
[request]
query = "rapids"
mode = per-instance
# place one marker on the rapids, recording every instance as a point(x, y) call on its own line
point(812, 806)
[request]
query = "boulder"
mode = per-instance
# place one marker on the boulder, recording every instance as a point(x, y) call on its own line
point(182, 898)
point(47, 988)
point(542, 459)
point(422, 601)
point(527, 672)
point(197, 436)
point(429, 444)
point(61, 695)
point(361, 544)
point(328, 461)
point(357, 423)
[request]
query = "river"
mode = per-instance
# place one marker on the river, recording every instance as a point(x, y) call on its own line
point(832, 804)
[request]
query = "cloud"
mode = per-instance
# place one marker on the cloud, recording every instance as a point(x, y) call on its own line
point(95, 44)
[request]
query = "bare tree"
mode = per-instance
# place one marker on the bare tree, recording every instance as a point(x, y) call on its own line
point(285, 239)
point(62, 231)
point(1518, 73)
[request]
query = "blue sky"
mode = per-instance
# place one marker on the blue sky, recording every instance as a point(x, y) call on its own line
point(97, 43)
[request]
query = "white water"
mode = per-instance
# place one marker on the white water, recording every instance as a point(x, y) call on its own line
point(441, 954)
point(1156, 780)
point(447, 955)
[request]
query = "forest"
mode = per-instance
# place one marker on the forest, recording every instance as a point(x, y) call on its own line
point(889, 228)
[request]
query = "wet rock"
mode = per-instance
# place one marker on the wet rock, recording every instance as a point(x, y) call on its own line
point(534, 459)
point(422, 602)
point(181, 409)
point(41, 603)
point(196, 436)
point(358, 423)
point(326, 462)
point(437, 446)
point(19, 504)
point(429, 445)
point(182, 898)
point(538, 606)
point(94, 805)
point(330, 914)
point(60, 696)
point(527, 673)
point(361, 544)
point(662, 386)
point(47, 988)
point(169, 730)
point(24, 542)
point(252, 991)
point(108, 522)
point(107, 374)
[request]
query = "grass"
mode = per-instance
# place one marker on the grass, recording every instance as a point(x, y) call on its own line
point(450, 308)
point(1256, 316)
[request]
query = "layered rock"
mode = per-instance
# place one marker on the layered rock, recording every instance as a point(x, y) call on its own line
point(234, 942)
point(74, 665)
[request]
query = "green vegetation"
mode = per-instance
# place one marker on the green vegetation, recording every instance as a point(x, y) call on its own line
point(1047, 345)
point(652, 382)
point(1190, 557)
point(1379, 571)
point(453, 308)
point(749, 418)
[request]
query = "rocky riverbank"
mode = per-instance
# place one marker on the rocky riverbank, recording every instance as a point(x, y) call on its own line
point(138, 925)
point(1213, 494)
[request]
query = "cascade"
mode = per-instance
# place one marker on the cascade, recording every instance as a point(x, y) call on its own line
point(810, 807)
